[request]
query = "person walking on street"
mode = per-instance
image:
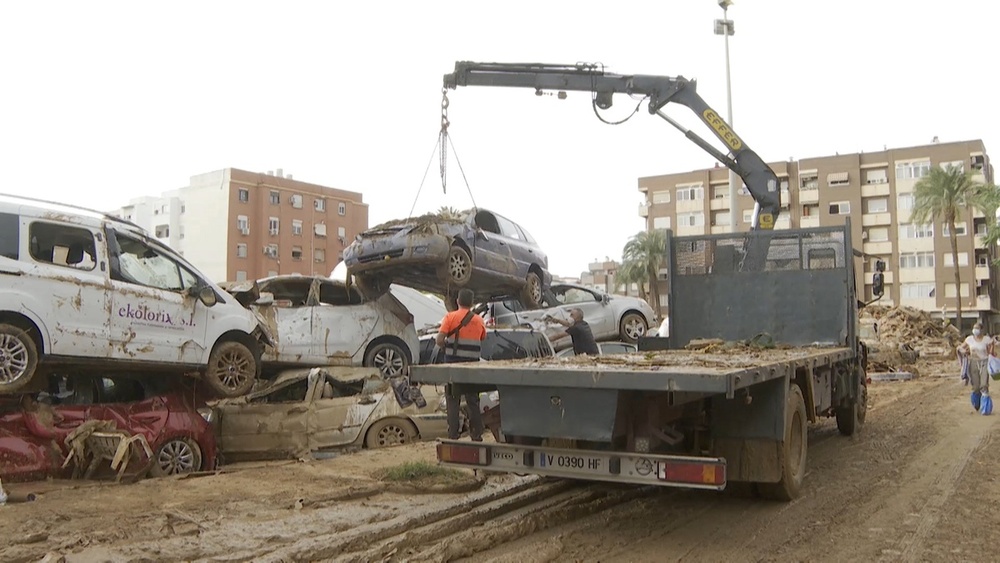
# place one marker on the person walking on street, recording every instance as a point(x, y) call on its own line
point(579, 331)
point(460, 339)
point(978, 347)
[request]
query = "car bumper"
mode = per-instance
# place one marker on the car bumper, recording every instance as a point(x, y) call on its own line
point(388, 252)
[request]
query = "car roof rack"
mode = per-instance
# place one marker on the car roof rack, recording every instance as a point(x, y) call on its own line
point(107, 216)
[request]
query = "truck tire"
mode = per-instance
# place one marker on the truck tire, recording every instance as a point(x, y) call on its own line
point(851, 418)
point(792, 456)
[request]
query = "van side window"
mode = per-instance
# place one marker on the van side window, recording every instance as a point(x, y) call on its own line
point(62, 245)
point(142, 264)
point(9, 239)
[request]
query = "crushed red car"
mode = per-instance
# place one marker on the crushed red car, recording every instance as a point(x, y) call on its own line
point(33, 428)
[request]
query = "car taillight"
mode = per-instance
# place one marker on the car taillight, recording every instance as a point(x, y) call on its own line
point(695, 473)
point(468, 454)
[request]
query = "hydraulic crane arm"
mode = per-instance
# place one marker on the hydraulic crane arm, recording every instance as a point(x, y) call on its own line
point(760, 180)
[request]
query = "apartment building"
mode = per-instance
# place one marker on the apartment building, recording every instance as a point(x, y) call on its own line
point(876, 191)
point(236, 225)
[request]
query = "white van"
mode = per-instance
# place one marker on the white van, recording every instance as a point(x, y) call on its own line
point(83, 289)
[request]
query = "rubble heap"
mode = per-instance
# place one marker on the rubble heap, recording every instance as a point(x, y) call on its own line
point(902, 333)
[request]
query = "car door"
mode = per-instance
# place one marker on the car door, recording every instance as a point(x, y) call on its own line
point(291, 315)
point(342, 323)
point(154, 314)
point(340, 410)
point(62, 275)
point(273, 423)
point(598, 314)
point(492, 251)
point(521, 252)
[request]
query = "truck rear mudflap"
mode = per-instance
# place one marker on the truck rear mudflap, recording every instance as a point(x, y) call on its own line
point(592, 465)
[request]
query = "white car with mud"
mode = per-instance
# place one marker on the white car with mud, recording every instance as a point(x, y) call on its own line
point(88, 290)
point(318, 321)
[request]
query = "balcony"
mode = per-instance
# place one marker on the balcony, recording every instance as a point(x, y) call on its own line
point(786, 199)
point(809, 221)
point(983, 303)
point(808, 196)
point(905, 186)
point(982, 272)
point(916, 245)
point(877, 248)
point(875, 219)
point(924, 303)
point(643, 210)
point(721, 230)
point(690, 205)
point(719, 203)
point(914, 275)
point(872, 190)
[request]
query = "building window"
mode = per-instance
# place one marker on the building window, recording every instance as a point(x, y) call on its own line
point(319, 255)
point(956, 164)
point(244, 197)
point(271, 251)
point(978, 161)
point(319, 204)
point(880, 205)
point(720, 219)
point(810, 182)
point(341, 208)
point(748, 216)
point(949, 260)
point(696, 219)
point(916, 231)
point(905, 201)
point(784, 184)
point(243, 224)
point(296, 227)
point(162, 231)
point(272, 225)
point(180, 232)
point(341, 232)
point(690, 193)
point(916, 290)
point(960, 228)
point(840, 208)
point(720, 192)
point(949, 290)
point(241, 250)
point(661, 197)
point(661, 222)
point(275, 198)
point(810, 210)
point(916, 260)
point(296, 201)
point(876, 176)
point(241, 275)
point(296, 253)
point(878, 234)
point(912, 170)
point(838, 179)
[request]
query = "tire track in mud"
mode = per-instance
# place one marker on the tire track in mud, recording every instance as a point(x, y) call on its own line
point(460, 529)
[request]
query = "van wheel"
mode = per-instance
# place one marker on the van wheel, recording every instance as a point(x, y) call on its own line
point(792, 456)
point(18, 358)
point(232, 369)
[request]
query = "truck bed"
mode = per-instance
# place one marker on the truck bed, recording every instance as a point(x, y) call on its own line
point(722, 371)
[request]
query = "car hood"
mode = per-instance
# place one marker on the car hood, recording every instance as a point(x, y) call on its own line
point(246, 294)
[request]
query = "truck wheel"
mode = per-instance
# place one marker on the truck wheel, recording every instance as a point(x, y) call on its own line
point(531, 293)
point(850, 419)
point(18, 358)
point(792, 456)
point(231, 371)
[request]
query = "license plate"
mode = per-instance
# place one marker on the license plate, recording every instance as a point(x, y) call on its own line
point(572, 462)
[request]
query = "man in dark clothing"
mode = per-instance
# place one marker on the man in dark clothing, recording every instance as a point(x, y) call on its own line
point(460, 340)
point(579, 331)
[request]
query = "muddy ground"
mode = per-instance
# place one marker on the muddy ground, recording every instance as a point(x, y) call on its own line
point(920, 483)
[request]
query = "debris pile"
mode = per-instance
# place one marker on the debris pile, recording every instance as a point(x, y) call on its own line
point(898, 336)
point(426, 222)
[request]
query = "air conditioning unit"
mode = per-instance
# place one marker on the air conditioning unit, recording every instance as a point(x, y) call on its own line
point(270, 251)
point(296, 201)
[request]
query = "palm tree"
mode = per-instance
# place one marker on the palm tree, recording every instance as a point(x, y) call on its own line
point(988, 201)
point(641, 258)
point(941, 196)
point(632, 273)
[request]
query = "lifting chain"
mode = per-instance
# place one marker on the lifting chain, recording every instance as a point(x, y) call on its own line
point(443, 140)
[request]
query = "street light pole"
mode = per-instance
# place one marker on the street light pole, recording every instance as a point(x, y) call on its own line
point(725, 28)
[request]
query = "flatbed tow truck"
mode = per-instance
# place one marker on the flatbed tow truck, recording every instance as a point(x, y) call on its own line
point(780, 311)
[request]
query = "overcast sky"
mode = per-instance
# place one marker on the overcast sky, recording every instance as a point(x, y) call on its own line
point(106, 101)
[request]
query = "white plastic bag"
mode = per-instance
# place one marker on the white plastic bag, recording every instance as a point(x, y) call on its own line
point(993, 366)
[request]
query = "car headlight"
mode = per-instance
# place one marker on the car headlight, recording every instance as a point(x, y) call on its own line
point(207, 413)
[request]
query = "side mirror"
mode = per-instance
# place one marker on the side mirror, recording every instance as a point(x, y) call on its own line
point(207, 296)
point(605, 298)
point(878, 284)
point(481, 234)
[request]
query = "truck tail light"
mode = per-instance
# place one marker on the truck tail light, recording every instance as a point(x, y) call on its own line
point(467, 454)
point(692, 472)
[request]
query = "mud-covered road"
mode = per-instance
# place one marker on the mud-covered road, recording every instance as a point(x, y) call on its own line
point(920, 483)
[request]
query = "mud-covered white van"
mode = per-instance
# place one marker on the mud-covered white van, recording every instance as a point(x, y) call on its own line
point(85, 291)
